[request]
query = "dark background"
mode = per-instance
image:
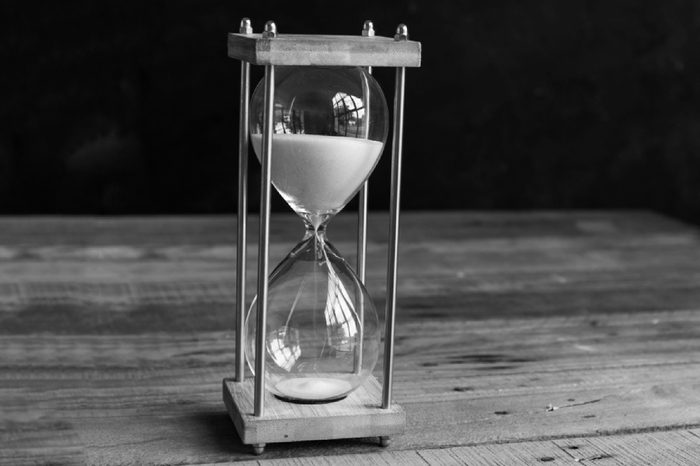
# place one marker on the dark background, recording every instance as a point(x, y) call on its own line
point(116, 107)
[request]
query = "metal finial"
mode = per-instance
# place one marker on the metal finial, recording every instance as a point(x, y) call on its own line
point(270, 30)
point(401, 32)
point(246, 27)
point(368, 29)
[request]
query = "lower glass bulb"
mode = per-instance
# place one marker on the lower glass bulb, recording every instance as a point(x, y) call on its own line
point(322, 330)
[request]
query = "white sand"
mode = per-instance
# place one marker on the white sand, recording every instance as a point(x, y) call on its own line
point(313, 388)
point(319, 174)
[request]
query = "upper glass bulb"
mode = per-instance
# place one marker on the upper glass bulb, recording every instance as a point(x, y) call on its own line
point(329, 129)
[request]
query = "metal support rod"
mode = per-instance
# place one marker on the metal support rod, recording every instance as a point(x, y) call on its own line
point(263, 245)
point(367, 31)
point(361, 255)
point(392, 266)
point(241, 244)
point(362, 232)
point(363, 198)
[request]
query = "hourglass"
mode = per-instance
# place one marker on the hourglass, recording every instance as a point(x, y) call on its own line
point(318, 123)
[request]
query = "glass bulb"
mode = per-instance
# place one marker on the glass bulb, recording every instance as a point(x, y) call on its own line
point(329, 129)
point(322, 337)
point(322, 330)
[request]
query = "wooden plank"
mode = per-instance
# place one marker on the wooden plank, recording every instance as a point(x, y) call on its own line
point(110, 275)
point(324, 50)
point(358, 415)
point(477, 382)
point(545, 378)
point(583, 450)
point(30, 438)
point(119, 332)
point(417, 226)
point(522, 453)
point(407, 458)
point(667, 448)
point(653, 448)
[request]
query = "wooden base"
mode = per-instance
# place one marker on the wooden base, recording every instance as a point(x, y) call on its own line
point(357, 415)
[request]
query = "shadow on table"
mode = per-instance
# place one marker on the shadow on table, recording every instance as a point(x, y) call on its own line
point(222, 433)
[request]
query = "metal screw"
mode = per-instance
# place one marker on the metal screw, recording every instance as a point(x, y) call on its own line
point(368, 29)
point(401, 32)
point(270, 30)
point(246, 27)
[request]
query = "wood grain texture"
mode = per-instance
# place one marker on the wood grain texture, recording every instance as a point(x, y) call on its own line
point(657, 448)
point(358, 415)
point(512, 327)
point(323, 50)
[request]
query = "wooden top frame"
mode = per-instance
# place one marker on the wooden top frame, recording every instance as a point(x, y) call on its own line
point(323, 50)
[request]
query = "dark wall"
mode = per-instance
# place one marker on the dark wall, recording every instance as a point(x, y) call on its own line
point(131, 107)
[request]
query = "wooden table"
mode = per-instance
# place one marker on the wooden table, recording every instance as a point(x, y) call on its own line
point(522, 338)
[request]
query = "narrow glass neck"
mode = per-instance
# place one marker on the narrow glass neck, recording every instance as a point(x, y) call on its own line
point(319, 232)
point(316, 221)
